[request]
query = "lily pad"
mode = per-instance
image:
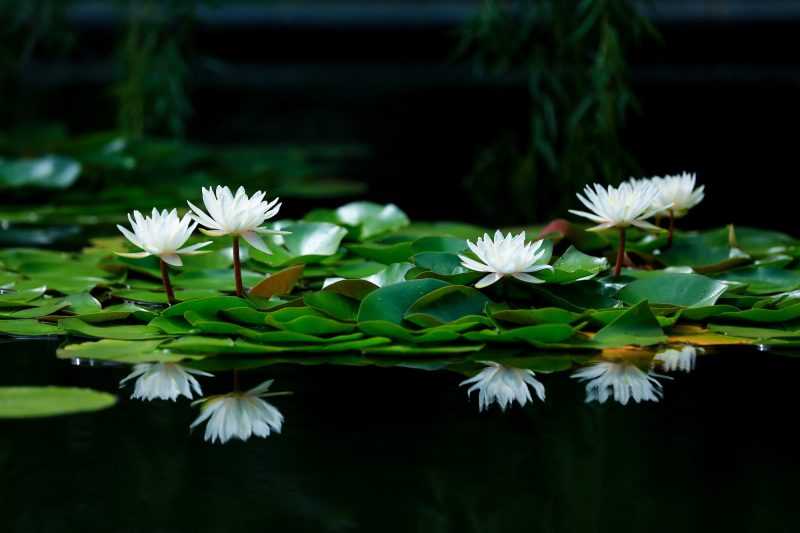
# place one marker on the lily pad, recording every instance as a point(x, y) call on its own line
point(130, 352)
point(702, 258)
point(333, 304)
point(37, 402)
point(29, 328)
point(208, 306)
point(685, 290)
point(76, 326)
point(314, 239)
point(280, 283)
point(763, 280)
point(390, 275)
point(446, 305)
point(383, 253)
point(391, 302)
point(217, 280)
point(135, 295)
point(451, 245)
point(637, 325)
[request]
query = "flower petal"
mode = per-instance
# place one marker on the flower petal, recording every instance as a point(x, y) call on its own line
point(135, 255)
point(255, 241)
point(172, 259)
point(488, 280)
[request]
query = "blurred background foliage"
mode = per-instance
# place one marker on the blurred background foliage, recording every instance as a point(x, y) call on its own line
point(508, 108)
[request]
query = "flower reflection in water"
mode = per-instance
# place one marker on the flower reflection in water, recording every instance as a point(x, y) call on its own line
point(164, 380)
point(625, 380)
point(504, 384)
point(672, 359)
point(239, 414)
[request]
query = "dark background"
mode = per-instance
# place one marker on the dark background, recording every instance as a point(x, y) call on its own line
point(719, 97)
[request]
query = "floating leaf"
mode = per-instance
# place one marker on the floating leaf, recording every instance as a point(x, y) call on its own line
point(442, 263)
point(391, 302)
point(352, 288)
point(541, 333)
point(390, 275)
point(535, 317)
point(48, 172)
point(359, 270)
point(685, 290)
point(217, 280)
point(280, 283)
point(311, 325)
point(579, 296)
point(135, 295)
point(333, 304)
point(24, 296)
point(702, 258)
point(395, 331)
point(373, 219)
point(763, 280)
point(637, 325)
point(130, 352)
point(451, 245)
point(37, 402)
point(28, 328)
point(76, 326)
point(314, 239)
point(382, 253)
point(208, 306)
point(446, 305)
point(572, 266)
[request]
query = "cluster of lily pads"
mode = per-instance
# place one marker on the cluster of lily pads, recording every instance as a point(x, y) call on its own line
point(362, 284)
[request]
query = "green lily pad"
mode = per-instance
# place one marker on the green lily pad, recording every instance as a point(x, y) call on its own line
point(208, 324)
point(383, 253)
point(753, 332)
point(359, 270)
point(387, 329)
point(47, 172)
point(64, 269)
point(579, 296)
point(208, 306)
point(391, 302)
point(217, 280)
point(174, 325)
point(81, 303)
point(702, 258)
point(541, 333)
point(750, 316)
point(443, 263)
point(130, 352)
point(700, 314)
point(12, 258)
point(314, 238)
point(280, 337)
point(135, 295)
point(352, 288)
point(535, 317)
point(437, 243)
point(37, 402)
point(76, 326)
point(333, 304)
point(572, 266)
point(637, 325)
point(29, 328)
point(390, 275)
point(372, 219)
point(685, 290)
point(763, 280)
point(23, 296)
point(311, 325)
point(405, 349)
point(446, 305)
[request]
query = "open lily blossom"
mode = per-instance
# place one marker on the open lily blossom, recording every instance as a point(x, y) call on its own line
point(671, 359)
point(504, 384)
point(629, 205)
point(239, 415)
point(238, 215)
point(676, 194)
point(162, 235)
point(505, 256)
point(164, 380)
point(620, 379)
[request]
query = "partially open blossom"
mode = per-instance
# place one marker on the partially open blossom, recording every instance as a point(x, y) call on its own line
point(628, 205)
point(237, 215)
point(508, 256)
point(504, 384)
point(239, 415)
point(676, 194)
point(671, 359)
point(622, 379)
point(164, 380)
point(162, 235)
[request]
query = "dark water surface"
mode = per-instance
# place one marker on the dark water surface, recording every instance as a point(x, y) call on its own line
point(403, 450)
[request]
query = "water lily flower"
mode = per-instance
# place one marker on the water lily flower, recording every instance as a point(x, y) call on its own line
point(237, 216)
point(162, 235)
point(628, 205)
point(505, 256)
point(504, 384)
point(676, 195)
point(670, 359)
point(623, 379)
point(239, 415)
point(164, 380)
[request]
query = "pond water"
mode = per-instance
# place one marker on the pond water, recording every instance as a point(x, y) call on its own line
point(405, 450)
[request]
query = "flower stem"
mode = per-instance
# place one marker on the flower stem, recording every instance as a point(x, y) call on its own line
point(237, 267)
point(671, 226)
point(167, 284)
point(235, 380)
point(505, 288)
point(621, 253)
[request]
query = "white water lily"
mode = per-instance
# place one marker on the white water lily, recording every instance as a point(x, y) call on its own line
point(508, 256)
point(239, 415)
point(238, 215)
point(670, 359)
point(676, 194)
point(164, 380)
point(628, 205)
point(623, 379)
point(161, 234)
point(504, 384)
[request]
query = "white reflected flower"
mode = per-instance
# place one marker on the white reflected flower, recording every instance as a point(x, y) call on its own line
point(676, 194)
point(671, 360)
point(162, 235)
point(623, 379)
point(628, 205)
point(508, 256)
point(237, 215)
point(239, 415)
point(504, 384)
point(164, 380)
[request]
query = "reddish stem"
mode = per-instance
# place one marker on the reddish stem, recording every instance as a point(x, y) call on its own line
point(671, 226)
point(237, 267)
point(167, 284)
point(658, 222)
point(620, 253)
